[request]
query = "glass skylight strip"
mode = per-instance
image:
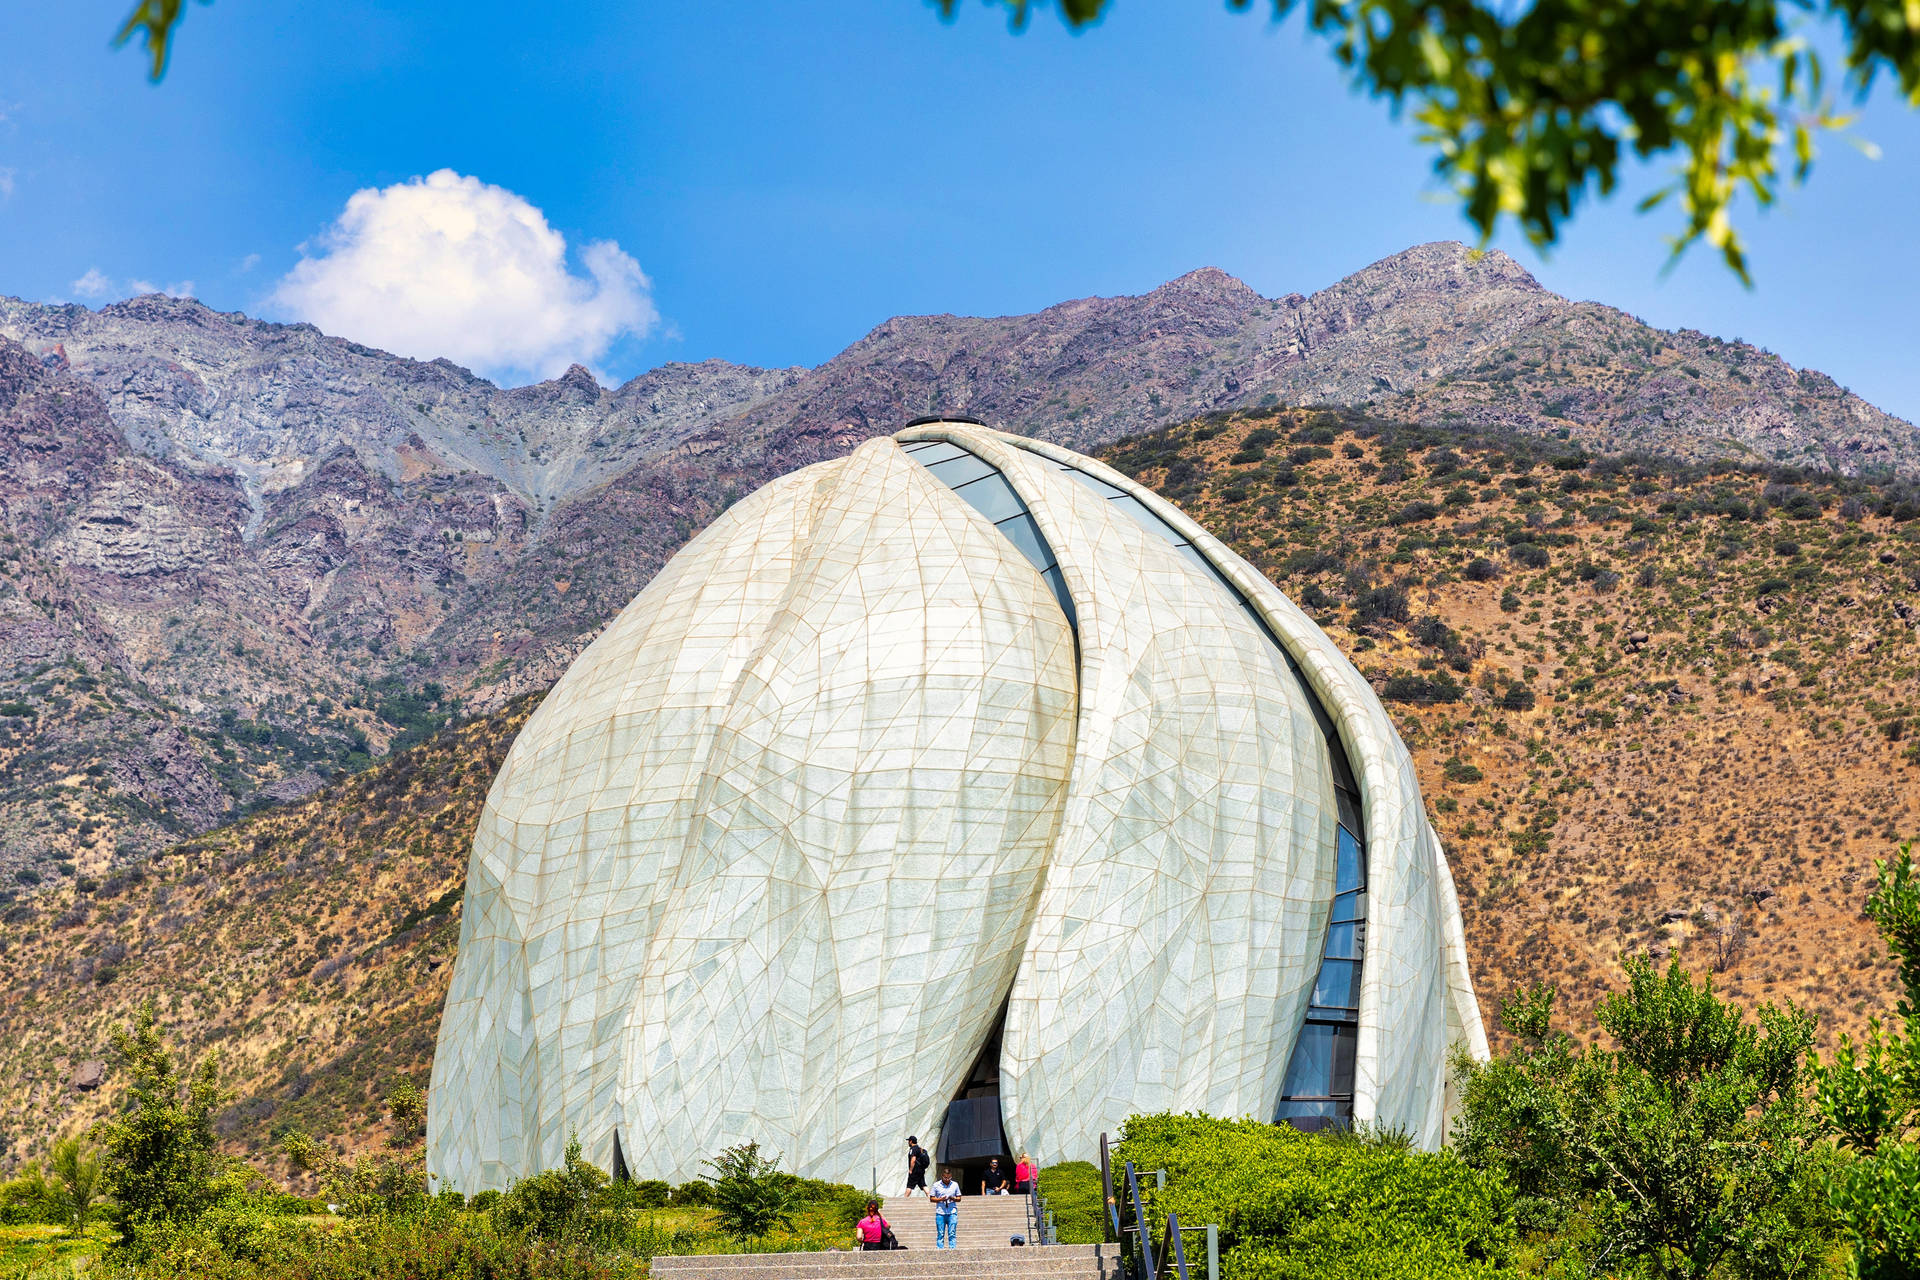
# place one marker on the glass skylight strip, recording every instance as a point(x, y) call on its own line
point(986, 490)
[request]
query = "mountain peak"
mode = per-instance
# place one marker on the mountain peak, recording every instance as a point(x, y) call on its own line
point(1447, 264)
point(1209, 282)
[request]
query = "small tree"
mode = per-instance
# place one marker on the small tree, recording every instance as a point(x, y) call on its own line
point(748, 1197)
point(76, 1174)
point(1869, 1096)
point(407, 1105)
point(159, 1162)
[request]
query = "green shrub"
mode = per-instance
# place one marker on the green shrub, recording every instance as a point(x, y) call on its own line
point(1517, 697)
point(749, 1197)
point(436, 1244)
point(564, 1204)
point(1679, 1151)
point(30, 1197)
point(652, 1194)
point(1073, 1196)
point(1421, 690)
point(697, 1194)
point(1294, 1207)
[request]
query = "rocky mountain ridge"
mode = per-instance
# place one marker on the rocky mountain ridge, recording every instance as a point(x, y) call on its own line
point(246, 556)
point(1579, 652)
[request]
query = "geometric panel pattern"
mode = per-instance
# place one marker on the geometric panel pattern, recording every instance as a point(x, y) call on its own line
point(851, 776)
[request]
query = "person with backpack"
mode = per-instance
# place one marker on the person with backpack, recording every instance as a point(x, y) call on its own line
point(946, 1211)
point(1024, 1172)
point(917, 1162)
point(872, 1231)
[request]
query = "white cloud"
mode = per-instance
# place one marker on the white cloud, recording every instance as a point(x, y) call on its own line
point(93, 284)
point(249, 262)
point(178, 289)
point(6, 185)
point(448, 265)
point(97, 284)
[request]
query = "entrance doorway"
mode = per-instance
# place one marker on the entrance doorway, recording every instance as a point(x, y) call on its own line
point(972, 1134)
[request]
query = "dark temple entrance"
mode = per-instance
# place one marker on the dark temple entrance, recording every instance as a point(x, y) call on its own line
point(972, 1134)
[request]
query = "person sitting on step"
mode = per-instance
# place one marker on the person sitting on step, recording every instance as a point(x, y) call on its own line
point(994, 1181)
point(871, 1233)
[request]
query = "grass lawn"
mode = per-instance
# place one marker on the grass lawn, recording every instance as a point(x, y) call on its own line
point(38, 1252)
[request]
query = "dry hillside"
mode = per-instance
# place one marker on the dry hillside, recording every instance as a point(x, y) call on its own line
point(1654, 707)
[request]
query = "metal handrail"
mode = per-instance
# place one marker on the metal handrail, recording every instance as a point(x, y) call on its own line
point(1172, 1262)
point(1037, 1232)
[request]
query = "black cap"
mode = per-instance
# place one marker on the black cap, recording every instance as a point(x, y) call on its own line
point(911, 1138)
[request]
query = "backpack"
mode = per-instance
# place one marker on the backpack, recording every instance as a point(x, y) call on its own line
point(888, 1240)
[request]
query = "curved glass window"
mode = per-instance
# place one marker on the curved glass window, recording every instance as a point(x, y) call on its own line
point(1318, 1090)
point(987, 491)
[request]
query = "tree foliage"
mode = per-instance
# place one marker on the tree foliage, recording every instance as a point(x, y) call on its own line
point(373, 1185)
point(1531, 107)
point(1680, 1151)
point(76, 1177)
point(1869, 1096)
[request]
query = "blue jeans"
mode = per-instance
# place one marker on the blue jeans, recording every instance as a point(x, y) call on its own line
point(946, 1227)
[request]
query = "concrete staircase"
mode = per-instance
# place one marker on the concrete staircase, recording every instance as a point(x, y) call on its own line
point(986, 1222)
point(983, 1253)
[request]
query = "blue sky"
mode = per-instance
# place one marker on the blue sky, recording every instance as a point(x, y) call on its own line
point(788, 176)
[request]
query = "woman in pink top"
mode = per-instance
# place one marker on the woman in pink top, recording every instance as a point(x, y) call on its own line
point(872, 1231)
point(1023, 1175)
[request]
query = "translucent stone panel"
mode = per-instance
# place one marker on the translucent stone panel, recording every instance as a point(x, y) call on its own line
point(588, 815)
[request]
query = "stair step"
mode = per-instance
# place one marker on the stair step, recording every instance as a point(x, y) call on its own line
point(1057, 1262)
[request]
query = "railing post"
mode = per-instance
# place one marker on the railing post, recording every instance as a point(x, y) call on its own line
point(1159, 1179)
point(1141, 1231)
point(1179, 1249)
point(1213, 1251)
point(1110, 1223)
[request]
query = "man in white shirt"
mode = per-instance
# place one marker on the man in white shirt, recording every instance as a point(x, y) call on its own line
point(945, 1195)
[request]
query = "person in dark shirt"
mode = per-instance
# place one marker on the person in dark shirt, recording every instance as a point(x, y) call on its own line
point(994, 1181)
point(917, 1162)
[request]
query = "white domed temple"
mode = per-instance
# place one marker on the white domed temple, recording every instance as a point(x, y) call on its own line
point(960, 787)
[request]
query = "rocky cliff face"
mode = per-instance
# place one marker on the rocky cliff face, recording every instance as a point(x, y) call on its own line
point(287, 550)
